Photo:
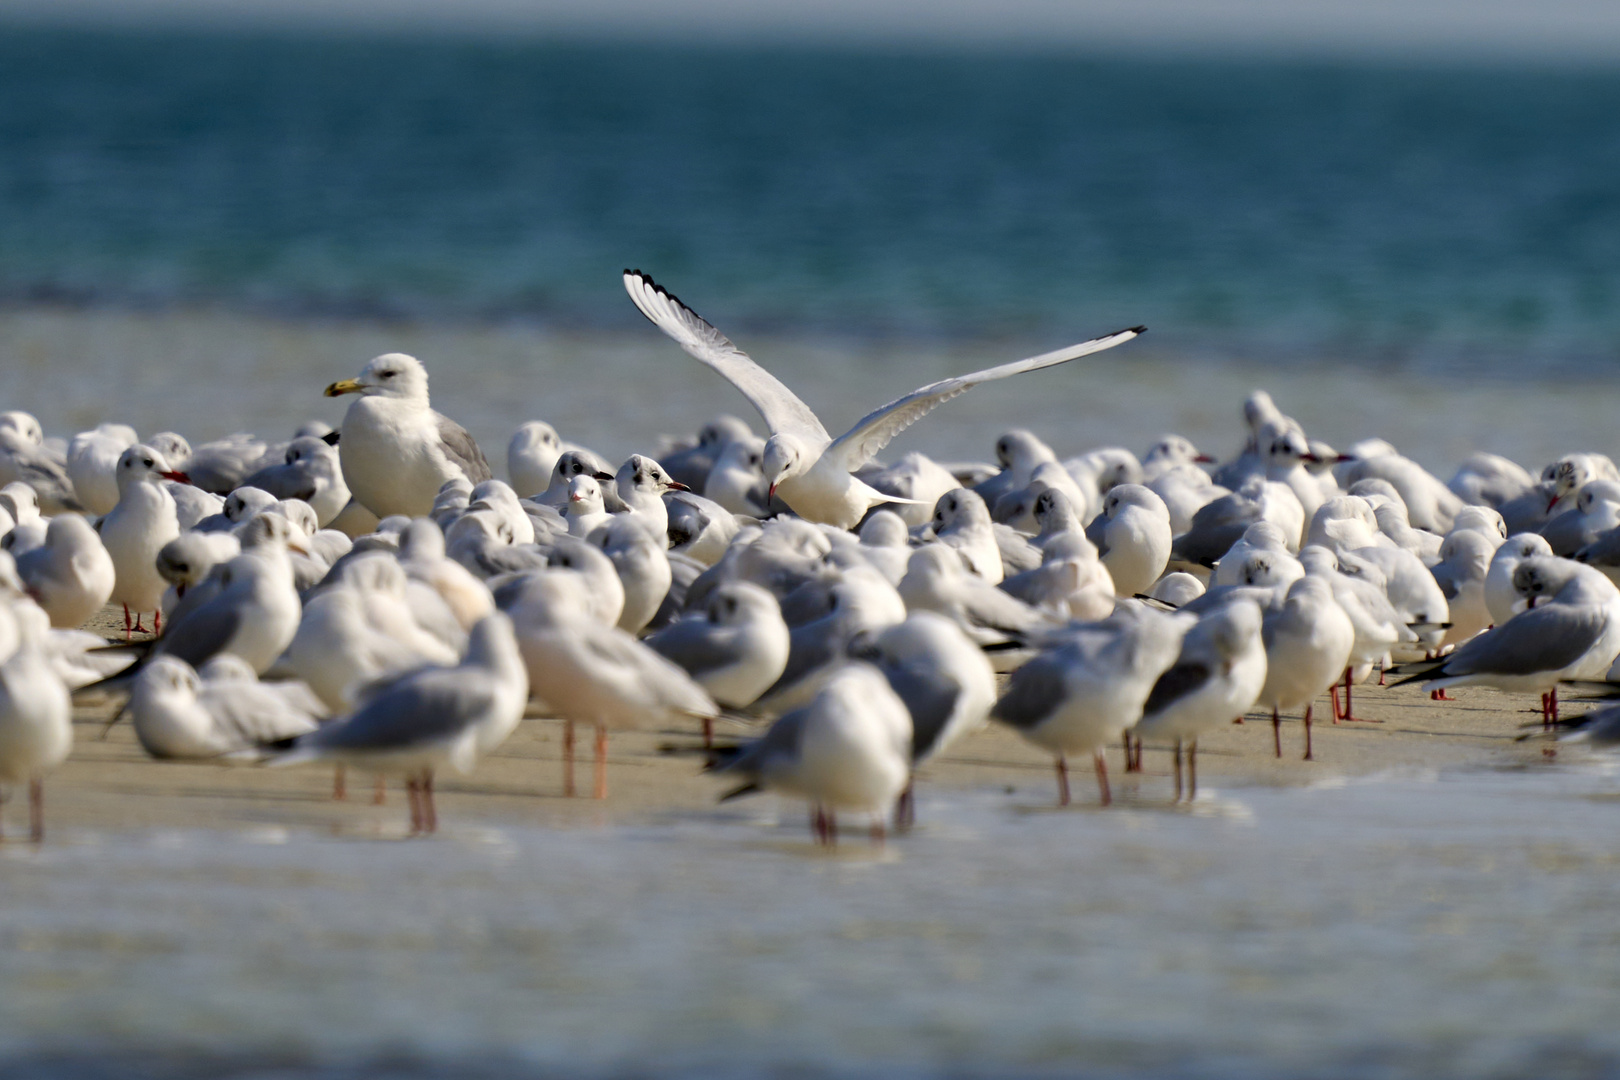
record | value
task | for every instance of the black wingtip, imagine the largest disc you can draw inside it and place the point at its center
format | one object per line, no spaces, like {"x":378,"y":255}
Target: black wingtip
{"x":1422,"y":676}
{"x":1138,"y":329}
{"x":331,"y":438}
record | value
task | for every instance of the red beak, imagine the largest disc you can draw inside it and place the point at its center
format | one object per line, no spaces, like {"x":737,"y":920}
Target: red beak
{"x":177,"y":477}
{"x":1204,"y":459}
{"x":1553,"y":503}
{"x":771,"y":494}
{"x":1309,"y":457}
{"x":676,"y":485}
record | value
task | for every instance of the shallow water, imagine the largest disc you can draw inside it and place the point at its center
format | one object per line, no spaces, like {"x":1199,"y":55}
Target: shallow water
{"x":1444,"y":924}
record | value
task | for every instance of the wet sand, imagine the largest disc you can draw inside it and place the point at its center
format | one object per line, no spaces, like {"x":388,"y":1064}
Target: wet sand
{"x":652,"y":775}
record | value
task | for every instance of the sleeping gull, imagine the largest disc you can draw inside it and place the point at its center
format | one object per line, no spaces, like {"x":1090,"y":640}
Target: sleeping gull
{"x":810,"y":468}
{"x":70,"y":575}
{"x":396,"y":451}
{"x":179,"y":715}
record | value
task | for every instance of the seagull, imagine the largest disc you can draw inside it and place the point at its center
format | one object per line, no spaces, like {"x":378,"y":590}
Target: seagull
{"x":531,"y":455}
{"x":1308,"y":641}
{"x":1217,"y":676}
{"x":1132,"y":535}
{"x":432,"y":717}
{"x":945,"y":680}
{"x":848,"y":749}
{"x":587,"y":672}
{"x":396,"y":451}
{"x":311,"y":471}
{"x":585,"y":509}
{"x":1573,"y":635}
{"x":92,"y":464}
{"x":136,"y":528}
{"x":70,"y":575}
{"x":1088,"y":690}
{"x":179,"y":715}
{"x":735,"y":647}
{"x":36,"y":715}
{"x":643,"y":567}
{"x":810,"y":468}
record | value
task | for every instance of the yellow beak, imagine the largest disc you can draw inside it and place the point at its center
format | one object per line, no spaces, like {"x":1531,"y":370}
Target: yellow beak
{"x":343,"y":386}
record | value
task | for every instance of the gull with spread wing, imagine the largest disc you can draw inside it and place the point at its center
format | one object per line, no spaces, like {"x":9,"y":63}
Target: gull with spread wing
{"x":810,"y":468}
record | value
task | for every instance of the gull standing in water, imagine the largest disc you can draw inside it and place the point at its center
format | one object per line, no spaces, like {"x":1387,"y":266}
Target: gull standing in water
{"x":396,"y":451}
{"x":810,"y":468}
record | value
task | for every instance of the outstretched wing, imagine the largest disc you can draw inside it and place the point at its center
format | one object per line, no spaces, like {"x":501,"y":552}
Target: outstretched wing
{"x":873,"y":433}
{"x":784,"y":413}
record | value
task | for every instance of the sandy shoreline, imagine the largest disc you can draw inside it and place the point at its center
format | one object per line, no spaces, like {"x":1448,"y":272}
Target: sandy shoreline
{"x":112,"y":784}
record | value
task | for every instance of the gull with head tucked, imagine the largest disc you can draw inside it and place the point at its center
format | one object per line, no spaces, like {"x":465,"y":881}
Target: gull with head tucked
{"x":810,"y":468}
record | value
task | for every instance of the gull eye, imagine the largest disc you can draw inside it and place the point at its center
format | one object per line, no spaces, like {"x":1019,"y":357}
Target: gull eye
{"x":147,"y":462}
{"x":389,"y":374}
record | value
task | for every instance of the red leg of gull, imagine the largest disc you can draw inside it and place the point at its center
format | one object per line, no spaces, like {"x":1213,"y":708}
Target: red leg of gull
{"x":1349,"y":712}
{"x":708,"y":732}
{"x":1177,"y":753}
{"x":1333,"y":693}
{"x":1380,"y":673}
{"x":1440,"y":695}
{"x":601,"y":762}
{"x":157,"y":621}
{"x":1546,"y":713}
{"x":1276,"y":731}
{"x":430,"y":814}
{"x":1102,"y":777}
{"x":1552,"y":701}
{"x":568,"y":758}
{"x":413,"y":797}
{"x":905,"y":807}
{"x":36,"y":810}
{"x":1130,"y":762}
{"x":1192,"y":771}
{"x":340,"y":786}
{"x":1063,"y":781}
{"x":126,"y":622}
{"x":1308,"y":756}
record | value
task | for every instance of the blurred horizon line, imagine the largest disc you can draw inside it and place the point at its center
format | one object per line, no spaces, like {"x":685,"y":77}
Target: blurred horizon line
{"x":1423,"y":34}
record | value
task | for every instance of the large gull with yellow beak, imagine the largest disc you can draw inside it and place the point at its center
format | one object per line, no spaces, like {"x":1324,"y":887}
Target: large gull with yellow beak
{"x":395,"y":450}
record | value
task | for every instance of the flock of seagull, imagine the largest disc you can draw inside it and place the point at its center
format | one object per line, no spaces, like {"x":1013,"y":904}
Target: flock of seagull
{"x":372,"y":598}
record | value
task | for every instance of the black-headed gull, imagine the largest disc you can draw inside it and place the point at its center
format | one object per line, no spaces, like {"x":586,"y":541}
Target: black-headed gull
{"x":812,"y":470}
